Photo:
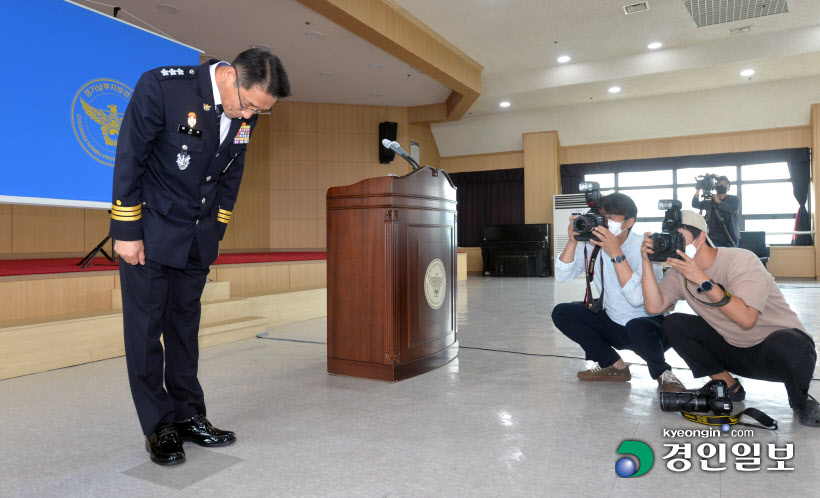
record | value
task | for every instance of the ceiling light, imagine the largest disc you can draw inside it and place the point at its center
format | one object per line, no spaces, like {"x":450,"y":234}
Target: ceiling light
{"x":168,"y":9}
{"x":614,"y":89}
{"x":654,"y":45}
{"x":326,"y":74}
{"x":564,"y":58}
{"x":746,"y":73}
{"x":315,"y":35}
{"x":740,"y":31}
{"x":636,"y":7}
{"x":504,"y":104}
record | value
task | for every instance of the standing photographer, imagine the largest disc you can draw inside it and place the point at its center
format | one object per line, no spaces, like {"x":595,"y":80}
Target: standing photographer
{"x":623,"y":323}
{"x":743,"y":325}
{"x":721,"y":211}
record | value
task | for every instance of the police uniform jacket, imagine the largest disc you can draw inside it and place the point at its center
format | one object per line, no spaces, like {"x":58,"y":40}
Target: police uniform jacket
{"x":173,"y":179}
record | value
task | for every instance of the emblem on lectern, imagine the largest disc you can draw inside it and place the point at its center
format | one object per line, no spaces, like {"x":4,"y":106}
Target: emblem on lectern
{"x":435,"y":280}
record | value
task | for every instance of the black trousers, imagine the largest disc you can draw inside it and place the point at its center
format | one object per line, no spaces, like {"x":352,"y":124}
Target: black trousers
{"x":161,"y":301}
{"x":786,"y":356}
{"x":597,"y":334}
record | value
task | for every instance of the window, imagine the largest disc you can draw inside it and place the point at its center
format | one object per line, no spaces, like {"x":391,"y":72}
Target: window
{"x":647,"y":200}
{"x":771,"y":171}
{"x":641,"y":227}
{"x":765,"y":190}
{"x":769,"y":198}
{"x":686,"y":176}
{"x":605,"y":180}
{"x":771,"y":227}
{"x":645,"y":178}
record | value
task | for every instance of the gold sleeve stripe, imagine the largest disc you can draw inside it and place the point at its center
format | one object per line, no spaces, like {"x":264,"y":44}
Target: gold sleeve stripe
{"x":114,"y":207}
{"x":126,"y":218}
{"x":222,"y":221}
{"x":223,"y":217}
{"x":222,"y":211}
{"x":126,"y":213}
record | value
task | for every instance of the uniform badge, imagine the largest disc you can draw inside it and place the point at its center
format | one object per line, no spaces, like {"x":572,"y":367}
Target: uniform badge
{"x":206,"y":107}
{"x":183,"y":160}
{"x":244,"y":134}
{"x":191,"y":119}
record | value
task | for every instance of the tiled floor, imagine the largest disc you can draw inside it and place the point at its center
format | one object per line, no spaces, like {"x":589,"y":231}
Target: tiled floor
{"x":506,"y":418}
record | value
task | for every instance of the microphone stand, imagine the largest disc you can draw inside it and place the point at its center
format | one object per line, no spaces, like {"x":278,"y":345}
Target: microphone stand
{"x":394,"y":146}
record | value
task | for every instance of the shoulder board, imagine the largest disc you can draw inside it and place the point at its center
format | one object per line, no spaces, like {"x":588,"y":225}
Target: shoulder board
{"x":176,"y":72}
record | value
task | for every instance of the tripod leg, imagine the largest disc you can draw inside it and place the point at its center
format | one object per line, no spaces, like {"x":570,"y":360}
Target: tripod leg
{"x":88,"y":257}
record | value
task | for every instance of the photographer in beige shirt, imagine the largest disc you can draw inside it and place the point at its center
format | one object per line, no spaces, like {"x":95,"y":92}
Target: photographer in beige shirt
{"x":743,"y":324}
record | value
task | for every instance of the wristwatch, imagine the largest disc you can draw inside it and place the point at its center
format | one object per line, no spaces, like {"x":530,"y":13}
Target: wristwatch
{"x":619,"y":259}
{"x":706,"y":286}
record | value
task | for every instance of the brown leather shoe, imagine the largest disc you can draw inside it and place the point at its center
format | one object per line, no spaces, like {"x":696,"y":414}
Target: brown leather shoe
{"x":608,"y":374}
{"x":669,"y":383}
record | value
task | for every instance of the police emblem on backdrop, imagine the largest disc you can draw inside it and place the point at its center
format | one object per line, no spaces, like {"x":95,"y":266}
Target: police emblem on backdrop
{"x":435,"y":280}
{"x":243,"y":136}
{"x":96,"y":116}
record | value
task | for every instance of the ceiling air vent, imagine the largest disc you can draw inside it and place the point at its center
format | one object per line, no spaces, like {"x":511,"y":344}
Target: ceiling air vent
{"x":636,"y":7}
{"x":709,"y":12}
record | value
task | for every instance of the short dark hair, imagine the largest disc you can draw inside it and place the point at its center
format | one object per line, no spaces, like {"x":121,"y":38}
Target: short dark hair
{"x":693,"y":230}
{"x":619,"y":204}
{"x":260,"y":67}
{"x":724,"y":178}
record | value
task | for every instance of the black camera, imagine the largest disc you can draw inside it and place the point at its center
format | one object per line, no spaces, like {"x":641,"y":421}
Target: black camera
{"x":585,"y":223}
{"x":707,"y":182}
{"x":714,"y":396}
{"x":667,"y":243}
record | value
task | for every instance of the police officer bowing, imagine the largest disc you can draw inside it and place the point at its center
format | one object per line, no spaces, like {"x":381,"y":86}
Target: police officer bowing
{"x":179,"y":163}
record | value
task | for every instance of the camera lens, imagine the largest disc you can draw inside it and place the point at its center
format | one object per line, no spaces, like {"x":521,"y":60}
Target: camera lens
{"x":581,"y":224}
{"x":661,"y":244}
{"x":688,"y":401}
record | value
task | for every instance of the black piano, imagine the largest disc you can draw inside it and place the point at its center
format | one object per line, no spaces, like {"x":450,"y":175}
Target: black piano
{"x":516,"y":250}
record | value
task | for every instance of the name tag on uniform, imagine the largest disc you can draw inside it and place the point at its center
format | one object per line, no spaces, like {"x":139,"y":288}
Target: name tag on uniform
{"x":187,"y":130}
{"x":244,"y":134}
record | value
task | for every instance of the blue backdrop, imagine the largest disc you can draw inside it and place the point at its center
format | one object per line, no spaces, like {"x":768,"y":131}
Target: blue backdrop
{"x":69,"y":72}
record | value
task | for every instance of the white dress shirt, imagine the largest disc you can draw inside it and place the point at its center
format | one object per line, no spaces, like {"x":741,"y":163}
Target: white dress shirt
{"x":621,"y":303}
{"x":224,"y":121}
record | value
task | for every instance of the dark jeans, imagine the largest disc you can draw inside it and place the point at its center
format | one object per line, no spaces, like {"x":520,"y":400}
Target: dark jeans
{"x":599,"y":336}
{"x":786,"y":356}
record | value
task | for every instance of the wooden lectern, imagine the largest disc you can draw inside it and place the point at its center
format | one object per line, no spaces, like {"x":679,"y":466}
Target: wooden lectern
{"x":391,"y":276}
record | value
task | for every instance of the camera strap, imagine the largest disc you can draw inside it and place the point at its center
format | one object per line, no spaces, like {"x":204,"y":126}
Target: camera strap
{"x":764,"y":421}
{"x":593,"y":305}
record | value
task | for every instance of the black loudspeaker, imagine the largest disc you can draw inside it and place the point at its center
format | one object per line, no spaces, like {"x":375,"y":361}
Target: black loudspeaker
{"x":387,"y":130}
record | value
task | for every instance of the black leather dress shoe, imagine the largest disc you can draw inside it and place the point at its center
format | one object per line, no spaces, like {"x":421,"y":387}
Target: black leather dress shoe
{"x":198,"y":430}
{"x":165,"y":445}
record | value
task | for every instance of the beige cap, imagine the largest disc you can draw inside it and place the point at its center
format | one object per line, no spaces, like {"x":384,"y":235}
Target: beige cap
{"x":694,"y":219}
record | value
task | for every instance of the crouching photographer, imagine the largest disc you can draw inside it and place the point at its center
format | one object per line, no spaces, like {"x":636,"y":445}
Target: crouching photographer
{"x":743,"y":323}
{"x":610,"y":256}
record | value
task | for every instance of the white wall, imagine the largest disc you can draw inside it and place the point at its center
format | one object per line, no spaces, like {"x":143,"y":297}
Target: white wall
{"x":745,"y":107}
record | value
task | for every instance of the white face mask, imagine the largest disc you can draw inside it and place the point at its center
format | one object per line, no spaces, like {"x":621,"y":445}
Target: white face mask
{"x":690,"y":250}
{"x":614,"y":227}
